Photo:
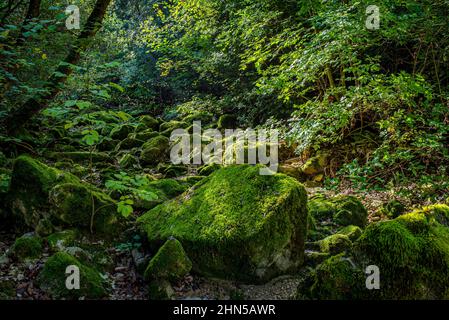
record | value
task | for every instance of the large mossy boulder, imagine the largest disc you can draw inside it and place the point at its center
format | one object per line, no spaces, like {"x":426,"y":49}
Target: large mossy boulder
{"x":155,"y":150}
{"x":236,"y":224}
{"x":342,"y":210}
{"x":30,"y":186}
{"x":170,"y":262}
{"x":84,"y":207}
{"x":52,"y":279}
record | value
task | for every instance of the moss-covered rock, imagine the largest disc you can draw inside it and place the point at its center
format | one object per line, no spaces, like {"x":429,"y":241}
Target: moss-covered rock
{"x":227,"y":121}
{"x":335,"y":244}
{"x":412,"y":253}
{"x":173,"y":125}
{"x":129,"y":143}
{"x":353,"y":232}
{"x":208,"y":169}
{"x":338,"y":278}
{"x":154,"y":151}
{"x":107,"y":144}
{"x":27,"y":247}
{"x":60,"y":240}
{"x":160,"y":289}
{"x":82,"y":206}
{"x":170,"y":262}
{"x":31,"y":183}
{"x":121,"y":132}
{"x":172,"y":171}
{"x":393,"y":209}
{"x":128,"y":161}
{"x":164,"y":189}
{"x":146,"y":135}
{"x":315,"y":165}
{"x":204,"y":117}
{"x":52,"y":279}
{"x":342,"y":210}
{"x":236,"y":224}
{"x":149,"y":122}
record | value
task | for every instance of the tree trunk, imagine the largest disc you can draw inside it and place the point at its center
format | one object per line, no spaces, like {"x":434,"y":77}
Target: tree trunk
{"x":22,"y":115}
{"x":33,"y":11}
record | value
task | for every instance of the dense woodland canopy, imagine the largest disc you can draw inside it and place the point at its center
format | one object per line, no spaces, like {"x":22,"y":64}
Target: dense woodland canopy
{"x":358,"y":110}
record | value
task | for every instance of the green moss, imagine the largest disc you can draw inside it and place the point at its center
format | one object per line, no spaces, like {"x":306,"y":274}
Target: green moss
{"x":52,"y":279}
{"x":128,"y":161}
{"x":227,"y":121}
{"x":146,"y":135}
{"x":314,"y":165}
{"x":173,"y":125}
{"x":160,"y":290}
{"x":165,"y":189}
{"x":82,"y":206}
{"x":204,"y":117}
{"x":170,"y":262}
{"x":44,"y":227}
{"x":129,"y":143}
{"x":413,"y":253}
{"x":27,"y":247}
{"x":31,"y":182}
{"x":335,"y":244}
{"x":337,"y":279}
{"x":343,"y":210}
{"x":353,"y":232}
{"x":393,"y":209}
{"x":154,"y":151}
{"x":172,"y":171}
{"x":62,"y":239}
{"x":208,"y":169}
{"x":107,"y":144}
{"x":149,"y":122}
{"x":121,"y":132}
{"x":192,"y":180}
{"x":236,"y":223}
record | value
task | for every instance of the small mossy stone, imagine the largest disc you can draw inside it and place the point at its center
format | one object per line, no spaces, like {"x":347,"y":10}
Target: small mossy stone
{"x":27,"y":248}
{"x":149,"y":122}
{"x":315,"y":165}
{"x":337,"y":278}
{"x":59,"y":240}
{"x":173,"y":125}
{"x":7,"y":289}
{"x":52,"y":279}
{"x":147,"y":135}
{"x":393,"y":209}
{"x":155,"y":151}
{"x":227,"y":121}
{"x":236,"y":224}
{"x":204,"y":117}
{"x":349,"y":211}
{"x":121,"y":132}
{"x":208,"y":169}
{"x":160,"y":289}
{"x":170,"y":262}
{"x":84,"y":207}
{"x":353,"y":232}
{"x":128,"y":161}
{"x":335,"y":244}
{"x":129,"y":143}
